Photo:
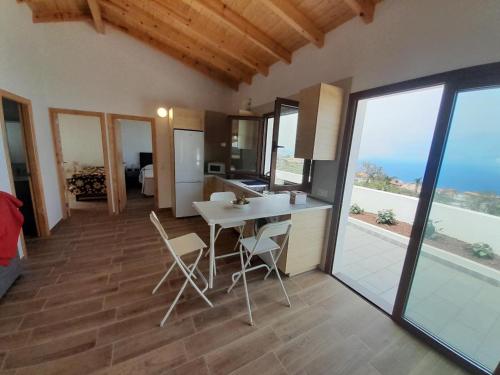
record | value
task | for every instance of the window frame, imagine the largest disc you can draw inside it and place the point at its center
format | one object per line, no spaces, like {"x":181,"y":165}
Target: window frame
{"x":307,"y":170}
{"x":260,"y":124}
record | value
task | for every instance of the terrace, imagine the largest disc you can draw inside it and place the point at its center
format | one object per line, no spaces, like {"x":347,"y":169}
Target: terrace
{"x":373,"y":256}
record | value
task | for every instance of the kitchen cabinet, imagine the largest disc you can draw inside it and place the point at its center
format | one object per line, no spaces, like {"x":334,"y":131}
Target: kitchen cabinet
{"x":212,"y":184}
{"x":185,"y":118}
{"x":320,"y":109}
{"x":307,"y":242}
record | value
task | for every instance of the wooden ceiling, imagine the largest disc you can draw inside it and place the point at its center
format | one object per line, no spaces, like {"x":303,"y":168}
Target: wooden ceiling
{"x":228,"y":40}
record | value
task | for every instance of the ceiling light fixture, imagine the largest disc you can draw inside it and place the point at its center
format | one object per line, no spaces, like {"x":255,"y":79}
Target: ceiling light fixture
{"x":162,"y":112}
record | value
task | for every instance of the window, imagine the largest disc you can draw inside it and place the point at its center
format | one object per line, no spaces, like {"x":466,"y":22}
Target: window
{"x":287,"y":172}
{"x":268,"y":143}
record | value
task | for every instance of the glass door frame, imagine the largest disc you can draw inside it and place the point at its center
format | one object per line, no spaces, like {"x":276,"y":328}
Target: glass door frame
{"x":454,"y":82}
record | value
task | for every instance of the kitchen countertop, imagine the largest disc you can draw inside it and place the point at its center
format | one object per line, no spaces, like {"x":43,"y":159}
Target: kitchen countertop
{"x":311,"y":203}
{"x":217,"y":212}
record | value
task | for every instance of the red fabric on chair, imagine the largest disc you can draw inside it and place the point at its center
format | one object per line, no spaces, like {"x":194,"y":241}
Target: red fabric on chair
{"x":11,"y":222}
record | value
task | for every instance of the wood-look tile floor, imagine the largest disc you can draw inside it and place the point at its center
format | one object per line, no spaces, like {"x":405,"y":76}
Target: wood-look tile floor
{"x":84,"y":305}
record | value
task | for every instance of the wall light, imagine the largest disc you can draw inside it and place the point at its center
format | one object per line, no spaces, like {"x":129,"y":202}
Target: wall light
{"x":162,"y":112}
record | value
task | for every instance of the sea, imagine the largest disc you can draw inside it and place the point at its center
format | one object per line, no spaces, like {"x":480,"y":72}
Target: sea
{"x":460,"y":177}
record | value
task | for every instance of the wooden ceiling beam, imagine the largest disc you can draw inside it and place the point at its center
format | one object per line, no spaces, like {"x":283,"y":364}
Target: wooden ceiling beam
{"x":164,"y":32}
{"x":216,"y":41}
{"x":237,"y":22}
{"x":297,"y":20}
{"x":363,"y":8}
{"x":95,"y":11}
{"x":39,"y":17}
{"x":116,"y":20}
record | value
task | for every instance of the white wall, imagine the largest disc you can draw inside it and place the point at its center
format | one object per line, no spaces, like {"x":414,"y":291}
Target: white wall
{"x":466,"y":225}
{"x":136,"y":138}
{"x":408,"y":39}
{"x":69,"y":65}
{"x":81,"y":140}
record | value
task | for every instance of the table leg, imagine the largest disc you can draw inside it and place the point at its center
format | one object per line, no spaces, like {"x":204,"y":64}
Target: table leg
{"x":211,"y":257}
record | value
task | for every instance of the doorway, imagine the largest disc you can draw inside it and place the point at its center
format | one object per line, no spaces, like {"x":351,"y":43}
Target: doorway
{"x":80,"y":141}
{"x":135,"y":169}
{"x":22,"y":159}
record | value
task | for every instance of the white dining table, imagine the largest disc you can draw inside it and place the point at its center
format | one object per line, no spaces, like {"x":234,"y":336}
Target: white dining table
{"x":217,"y":212}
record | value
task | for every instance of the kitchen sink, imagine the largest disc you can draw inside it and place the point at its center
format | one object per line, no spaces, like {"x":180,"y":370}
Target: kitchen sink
{"x":253,"y":183}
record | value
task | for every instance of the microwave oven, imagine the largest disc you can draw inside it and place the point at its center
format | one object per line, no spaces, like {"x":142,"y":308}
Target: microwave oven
{"x":216,"y":168}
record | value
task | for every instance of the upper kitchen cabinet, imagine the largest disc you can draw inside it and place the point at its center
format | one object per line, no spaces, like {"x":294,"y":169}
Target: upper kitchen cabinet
{"x":320,"y":109}
{"x":184,"y":118}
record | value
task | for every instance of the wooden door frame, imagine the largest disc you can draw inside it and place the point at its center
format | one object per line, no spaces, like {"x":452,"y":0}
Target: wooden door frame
{"x":37,"y":191}
{"x":117,"y":188}
{"x":56,"y":137}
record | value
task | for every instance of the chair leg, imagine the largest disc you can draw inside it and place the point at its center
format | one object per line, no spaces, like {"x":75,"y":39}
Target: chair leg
{"x":268,"y":273}
{"x":243,"y":266}
{"x":188,"y":267}
{"x":279,"y":279}
{"x":173,"y":303}
{"x":188,"y":280}
{"x":235,"y":281}
{"x":163,"y":278}
{"x":204,"y":280}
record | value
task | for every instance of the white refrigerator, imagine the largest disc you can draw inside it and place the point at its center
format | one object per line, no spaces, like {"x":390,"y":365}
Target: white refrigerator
{"x":188,"y":154}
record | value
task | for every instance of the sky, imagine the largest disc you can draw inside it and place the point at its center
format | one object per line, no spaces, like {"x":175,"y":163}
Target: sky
{"x":400,"y":126}
{"x":398,"y":130}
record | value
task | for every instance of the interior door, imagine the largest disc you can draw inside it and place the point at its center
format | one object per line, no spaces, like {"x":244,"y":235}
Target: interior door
{"x":287,"y":172}
{"x":120,"y":168}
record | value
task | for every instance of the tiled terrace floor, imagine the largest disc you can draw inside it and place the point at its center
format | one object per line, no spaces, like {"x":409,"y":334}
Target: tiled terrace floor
{"x":456,"y":306}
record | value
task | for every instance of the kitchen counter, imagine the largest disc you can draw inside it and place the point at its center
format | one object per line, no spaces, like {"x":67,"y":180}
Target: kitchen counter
{"x":259,"y":207}
{"x":311,"y":203}
{"x":236,"y":183}
{"x":310,"y":221}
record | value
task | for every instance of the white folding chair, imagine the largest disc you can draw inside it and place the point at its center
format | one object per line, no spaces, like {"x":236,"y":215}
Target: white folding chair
{"x":260,"y":244}
{"x":179,"y":247}
{"x":227,"y":196}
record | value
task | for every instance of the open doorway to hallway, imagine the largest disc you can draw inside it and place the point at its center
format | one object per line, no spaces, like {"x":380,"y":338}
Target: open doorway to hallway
{"x":135,"y":170}
{"x":19,"y":154}
{"x":81,"y":149}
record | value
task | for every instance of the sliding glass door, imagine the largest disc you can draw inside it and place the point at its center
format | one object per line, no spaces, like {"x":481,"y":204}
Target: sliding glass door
{"x":390,"y":146}
{"x":455,"y":291}
{"x":417,"y":223}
